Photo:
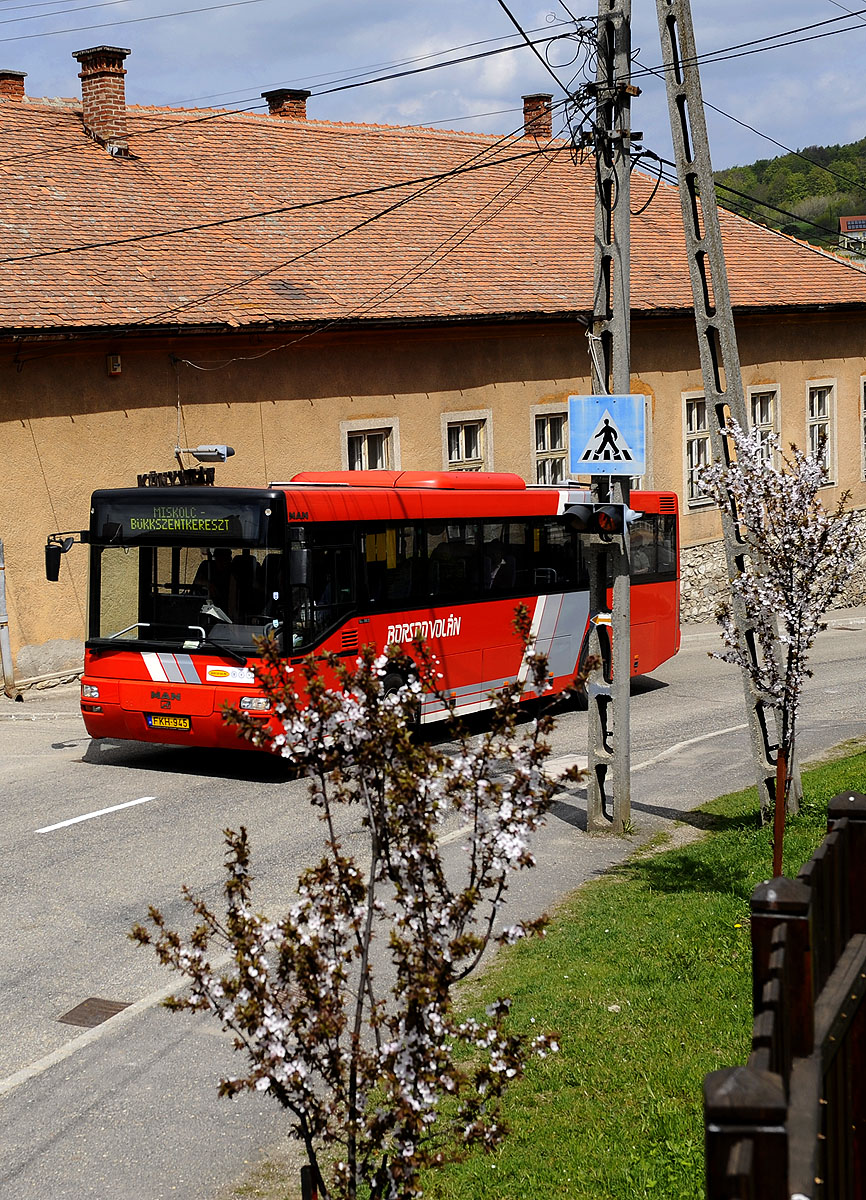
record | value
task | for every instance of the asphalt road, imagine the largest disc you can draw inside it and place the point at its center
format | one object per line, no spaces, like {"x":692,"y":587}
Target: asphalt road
{"x":128,"y":1110}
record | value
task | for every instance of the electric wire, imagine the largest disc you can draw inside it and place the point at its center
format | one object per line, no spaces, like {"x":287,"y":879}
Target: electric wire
{"x":426,"y":185}
{"x":849,"y":11}
{"x":59,"y":13}
{"x":346,"y":87}
{"x":532,"y":46}
{"x":239,"y":108}
{"x":752,"y":201}
{"x":406,"y":278}
{"x":853,"y":183}
{"x":358,"y":72}
{"x":469,"y":164}
{"x":421,"y":180}
{"x":756,"y":45}
{"x":24,"y":37}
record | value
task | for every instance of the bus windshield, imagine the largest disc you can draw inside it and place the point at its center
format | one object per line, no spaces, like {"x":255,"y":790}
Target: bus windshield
{"x":186,"y":576}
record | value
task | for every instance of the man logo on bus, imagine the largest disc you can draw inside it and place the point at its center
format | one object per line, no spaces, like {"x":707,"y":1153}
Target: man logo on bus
{"x":299,"y":516}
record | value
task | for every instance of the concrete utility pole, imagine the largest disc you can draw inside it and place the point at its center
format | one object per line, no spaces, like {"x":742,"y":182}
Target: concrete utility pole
{"x":717,"y":340}
{"x":608,"y":693}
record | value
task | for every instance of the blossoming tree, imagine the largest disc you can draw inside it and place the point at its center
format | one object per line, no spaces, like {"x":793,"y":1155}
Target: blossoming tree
{"x":344,"y":1004}
{"x":800,"y":556}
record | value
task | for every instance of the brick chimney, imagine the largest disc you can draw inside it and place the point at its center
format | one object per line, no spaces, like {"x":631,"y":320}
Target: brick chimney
{"x":12,"y":84}
{"x":288,"y":103}
{"x":103,"y":95}
{"x":537,"y":116}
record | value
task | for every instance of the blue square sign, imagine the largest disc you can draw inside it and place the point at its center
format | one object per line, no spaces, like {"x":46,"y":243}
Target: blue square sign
{"x":607,"y":435}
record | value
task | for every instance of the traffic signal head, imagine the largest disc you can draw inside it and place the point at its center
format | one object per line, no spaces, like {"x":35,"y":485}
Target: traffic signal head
{"x":604,"y":519}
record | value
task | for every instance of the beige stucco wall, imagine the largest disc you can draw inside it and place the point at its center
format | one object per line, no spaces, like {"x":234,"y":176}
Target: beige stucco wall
{"x":66,"y":427}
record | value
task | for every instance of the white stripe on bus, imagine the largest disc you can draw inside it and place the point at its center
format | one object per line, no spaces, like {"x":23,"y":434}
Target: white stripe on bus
{"x":533,"y":634}
{"x":154,"y":667}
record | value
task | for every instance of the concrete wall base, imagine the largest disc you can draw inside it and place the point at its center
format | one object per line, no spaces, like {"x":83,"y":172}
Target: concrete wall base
{"x":704,"y":582}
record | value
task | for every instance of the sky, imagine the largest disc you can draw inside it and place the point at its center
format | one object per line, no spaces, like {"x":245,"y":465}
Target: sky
{"x":219,"y":53}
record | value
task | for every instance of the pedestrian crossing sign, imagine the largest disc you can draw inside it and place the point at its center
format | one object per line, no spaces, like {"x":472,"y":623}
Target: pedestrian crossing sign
{"x":607,"y":435}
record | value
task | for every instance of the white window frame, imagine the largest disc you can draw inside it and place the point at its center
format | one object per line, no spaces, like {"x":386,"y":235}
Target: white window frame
{"x":815,"y":385}
{"x":543,"y":411}
{"x":765,"y":427}
{"x":390,"y":426}
{"x":477,"y":416}
{"x":690,"y":437}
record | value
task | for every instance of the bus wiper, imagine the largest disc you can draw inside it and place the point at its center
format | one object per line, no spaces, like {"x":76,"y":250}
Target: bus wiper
{"x":227,"y":650}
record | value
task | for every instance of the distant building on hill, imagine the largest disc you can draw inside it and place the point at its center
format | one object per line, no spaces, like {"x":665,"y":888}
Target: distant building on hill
{"x":852,"y":234}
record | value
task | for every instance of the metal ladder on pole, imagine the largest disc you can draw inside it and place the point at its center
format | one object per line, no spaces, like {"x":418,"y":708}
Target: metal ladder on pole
{"x":720,"y":360}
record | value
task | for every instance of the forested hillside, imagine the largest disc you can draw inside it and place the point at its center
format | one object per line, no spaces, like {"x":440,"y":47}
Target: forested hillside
{"x":816,"y":187}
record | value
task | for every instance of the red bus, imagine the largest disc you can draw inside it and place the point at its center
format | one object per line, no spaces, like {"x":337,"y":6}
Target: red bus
{"x":183,"y":579}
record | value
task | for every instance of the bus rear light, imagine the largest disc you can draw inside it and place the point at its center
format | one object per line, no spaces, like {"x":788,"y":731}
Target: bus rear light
{"x":89,"y":691}
{"x":255,"y":703}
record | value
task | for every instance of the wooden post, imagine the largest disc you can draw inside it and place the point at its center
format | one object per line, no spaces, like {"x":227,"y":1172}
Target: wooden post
{"x":745,"y":1106}
{"x":786,"y":901}
{"x":853,"y":806}
{"x":309,"y":1191}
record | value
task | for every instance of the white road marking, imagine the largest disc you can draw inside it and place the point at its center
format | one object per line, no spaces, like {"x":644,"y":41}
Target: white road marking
{"x":675,"y":749}
{"x":100,"y":812}
{"x":455,"y":835}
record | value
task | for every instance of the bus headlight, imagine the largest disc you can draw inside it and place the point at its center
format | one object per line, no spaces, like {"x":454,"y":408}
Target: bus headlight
{"x":89,"y":691}
{"x":255,"y":703}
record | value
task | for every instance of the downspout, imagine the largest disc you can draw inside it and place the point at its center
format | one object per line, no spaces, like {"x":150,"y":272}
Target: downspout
{"x":5,"y":647}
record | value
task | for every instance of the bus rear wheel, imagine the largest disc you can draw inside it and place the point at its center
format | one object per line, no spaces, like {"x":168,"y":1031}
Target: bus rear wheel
{"x":391,"y":684}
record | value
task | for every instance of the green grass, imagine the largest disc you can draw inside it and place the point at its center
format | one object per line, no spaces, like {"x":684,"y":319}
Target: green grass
{"x":646,"y":977}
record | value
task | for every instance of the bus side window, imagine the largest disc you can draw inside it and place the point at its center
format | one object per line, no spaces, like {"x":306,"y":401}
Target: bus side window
{"x":667,"y":547}
{"x":391,"y":564}
{"x":499,"y":562}
{"x":328,"y":595}
{"x":642,"y":546}
{"x":556,"y":558}
{"x":453,"y":560}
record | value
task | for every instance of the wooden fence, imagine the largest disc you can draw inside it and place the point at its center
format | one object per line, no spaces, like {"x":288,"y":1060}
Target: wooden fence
{"x":791,"y":1124}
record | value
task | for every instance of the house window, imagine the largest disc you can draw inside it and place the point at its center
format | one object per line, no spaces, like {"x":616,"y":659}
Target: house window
{"x":698,"y":452}
{"x":369,"y":451}
{"x":370,"y":445}
{"x":465,"y":445}
{"x":819,"y":426}
{"x":763,"y":412}
{"x":551,"y":442}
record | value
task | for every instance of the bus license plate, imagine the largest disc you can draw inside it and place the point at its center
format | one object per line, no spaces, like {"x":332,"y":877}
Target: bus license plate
{"x":167,"y":721}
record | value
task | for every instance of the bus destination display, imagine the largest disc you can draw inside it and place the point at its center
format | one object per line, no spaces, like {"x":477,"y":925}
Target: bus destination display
{"x":194,"y":522}
{"x":172,"y":518}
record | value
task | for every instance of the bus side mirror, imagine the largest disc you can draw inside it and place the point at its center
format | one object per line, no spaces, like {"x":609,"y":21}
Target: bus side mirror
{"x":299,"y":566}
{"x":57,"y":545}
{"x":53,"y":553}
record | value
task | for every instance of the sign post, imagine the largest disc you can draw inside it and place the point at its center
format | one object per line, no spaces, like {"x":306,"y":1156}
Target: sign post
{"x":609,"y":346}
{"x":607,"y":440}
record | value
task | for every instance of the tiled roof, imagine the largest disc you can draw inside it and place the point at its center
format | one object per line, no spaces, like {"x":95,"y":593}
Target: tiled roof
{"x":510,"y":235}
